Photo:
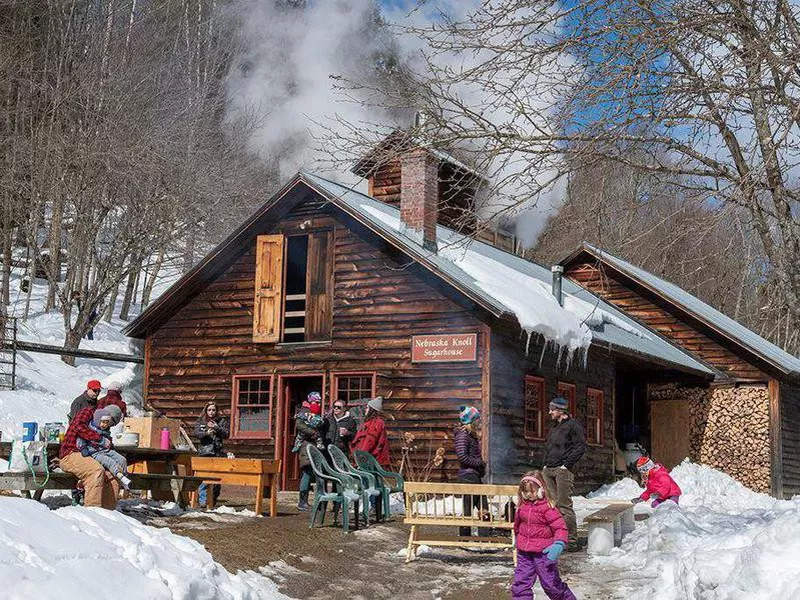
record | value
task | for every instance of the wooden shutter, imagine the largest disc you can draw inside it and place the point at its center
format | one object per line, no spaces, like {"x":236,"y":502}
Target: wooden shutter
{"x":319,"y":286}
{"x":269,"y":288}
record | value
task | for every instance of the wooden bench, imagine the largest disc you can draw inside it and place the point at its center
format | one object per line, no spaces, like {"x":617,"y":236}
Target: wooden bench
{"x":59,"y":480}
{"x":436,"y":504}
{"x":608,"y":526}
{"x":252,"y":472}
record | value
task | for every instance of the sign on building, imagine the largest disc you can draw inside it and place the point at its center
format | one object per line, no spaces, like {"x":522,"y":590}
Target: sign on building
{"x":457,"y":347}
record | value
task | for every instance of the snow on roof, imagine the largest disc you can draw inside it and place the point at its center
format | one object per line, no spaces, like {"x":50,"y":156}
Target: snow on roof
{"x":517,"y":286}
{"x":694,"y":306}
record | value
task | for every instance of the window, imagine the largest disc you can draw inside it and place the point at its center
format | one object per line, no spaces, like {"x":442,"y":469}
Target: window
{"x":567,"y":391}
{"x":251,"y":407}
{"x":594,"y":416}
{"x":351,"y":387}
{"x":293,"y":288}
{"x":535,"y":408}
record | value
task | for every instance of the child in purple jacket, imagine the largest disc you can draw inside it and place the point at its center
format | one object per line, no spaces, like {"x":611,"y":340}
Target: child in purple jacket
{"x":541,"y":535}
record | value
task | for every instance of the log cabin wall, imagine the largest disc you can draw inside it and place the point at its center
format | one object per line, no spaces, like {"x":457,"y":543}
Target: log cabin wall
{"x":728,"y":429}
{"x":511,"y":453}
{"x":663,"y":318}
{"x":379,"y":302}
{"x":790,"y":440}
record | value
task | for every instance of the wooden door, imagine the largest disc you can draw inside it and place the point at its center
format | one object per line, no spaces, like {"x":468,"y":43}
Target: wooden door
{"x":294,"y":389}
{"x":669,"y":431}
{"x":291,"y":469}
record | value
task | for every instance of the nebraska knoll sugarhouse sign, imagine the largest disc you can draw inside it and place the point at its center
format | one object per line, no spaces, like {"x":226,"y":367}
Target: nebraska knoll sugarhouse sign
{"x":452,"y":347}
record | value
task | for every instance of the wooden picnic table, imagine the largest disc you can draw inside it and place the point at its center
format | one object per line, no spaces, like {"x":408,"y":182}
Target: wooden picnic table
{"x":171,"y":481}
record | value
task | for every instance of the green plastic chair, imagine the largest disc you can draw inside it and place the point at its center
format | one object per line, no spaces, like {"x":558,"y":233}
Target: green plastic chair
{"x":366,"y":462}
{"x":332,"y":486}
{"x":369,"y":487}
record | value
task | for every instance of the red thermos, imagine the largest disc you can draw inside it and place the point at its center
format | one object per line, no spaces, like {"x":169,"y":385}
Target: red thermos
{"x":165,"y":438}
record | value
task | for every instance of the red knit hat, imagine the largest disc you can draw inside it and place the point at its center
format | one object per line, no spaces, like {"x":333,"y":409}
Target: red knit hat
{"x":644,"y":464}
{"x":94,"y":385}
{"x":315,"y":408}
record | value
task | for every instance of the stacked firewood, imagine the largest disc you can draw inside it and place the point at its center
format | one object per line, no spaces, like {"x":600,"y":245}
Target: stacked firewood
{"x":735,"y":434}
{"x":729,"y":429}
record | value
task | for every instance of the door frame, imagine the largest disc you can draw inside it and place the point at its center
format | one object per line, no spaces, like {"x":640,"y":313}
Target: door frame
{"x":282,"y":450}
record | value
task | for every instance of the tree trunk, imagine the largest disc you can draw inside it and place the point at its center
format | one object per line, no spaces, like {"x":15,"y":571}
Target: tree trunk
{"x":148,"y":288}
{"x":5,"y":297}
{"x":71,"y":342}
{"x":54,"y":268}
{"x":129,"y":289}
{"x":111,"y":304}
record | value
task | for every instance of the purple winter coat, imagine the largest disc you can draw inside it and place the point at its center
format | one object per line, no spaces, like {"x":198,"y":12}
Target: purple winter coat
{"x":468,"y":451}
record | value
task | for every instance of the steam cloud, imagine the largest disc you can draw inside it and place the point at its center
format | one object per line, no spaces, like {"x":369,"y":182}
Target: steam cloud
{"x":283,"y":80}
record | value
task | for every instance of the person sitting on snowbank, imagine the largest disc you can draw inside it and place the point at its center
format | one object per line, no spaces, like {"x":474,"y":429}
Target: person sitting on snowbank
{"x":659,"y":484}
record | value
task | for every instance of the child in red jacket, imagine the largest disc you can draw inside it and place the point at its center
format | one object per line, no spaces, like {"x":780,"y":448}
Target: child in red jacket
{"x":659,"y":484}
{"x":541,"y":535}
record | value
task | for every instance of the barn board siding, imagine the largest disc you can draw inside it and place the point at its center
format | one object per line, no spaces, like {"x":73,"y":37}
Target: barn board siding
{"x":512,"y":454}
{"x":790,"y":439}
{"x":379,"y":302}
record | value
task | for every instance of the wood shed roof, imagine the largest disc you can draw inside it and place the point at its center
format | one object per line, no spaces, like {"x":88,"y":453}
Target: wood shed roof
{"x":715,"y":322}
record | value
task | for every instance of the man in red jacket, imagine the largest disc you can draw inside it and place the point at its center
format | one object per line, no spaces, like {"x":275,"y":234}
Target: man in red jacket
{"x":372,"y":435}
{"x":101,"y":487}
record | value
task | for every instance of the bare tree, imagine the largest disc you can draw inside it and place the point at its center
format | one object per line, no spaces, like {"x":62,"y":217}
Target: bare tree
{"x":701,"y":93}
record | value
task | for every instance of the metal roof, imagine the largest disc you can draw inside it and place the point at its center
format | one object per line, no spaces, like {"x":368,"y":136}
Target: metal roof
{"x":695,"y":307}
{"x":646,"y":342}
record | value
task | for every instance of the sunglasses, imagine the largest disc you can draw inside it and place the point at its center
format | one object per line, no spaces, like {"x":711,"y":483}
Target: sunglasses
{"x":338,"y":407}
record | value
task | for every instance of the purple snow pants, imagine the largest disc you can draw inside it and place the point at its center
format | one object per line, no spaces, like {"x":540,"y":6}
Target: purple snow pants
{"x":533,"y":564}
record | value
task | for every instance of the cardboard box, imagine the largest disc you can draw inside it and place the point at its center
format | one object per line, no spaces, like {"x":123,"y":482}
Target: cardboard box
{"x":149,"y":430}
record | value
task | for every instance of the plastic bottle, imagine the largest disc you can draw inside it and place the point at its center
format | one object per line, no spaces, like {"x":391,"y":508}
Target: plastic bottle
{"x":165,"y":438}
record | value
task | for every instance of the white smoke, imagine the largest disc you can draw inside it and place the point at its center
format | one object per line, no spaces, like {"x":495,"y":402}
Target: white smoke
{"x":284,"y":79}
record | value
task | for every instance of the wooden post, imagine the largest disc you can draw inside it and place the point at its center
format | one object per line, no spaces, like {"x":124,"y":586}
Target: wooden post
{"x":776,"y":441}
{"x":259,"y":493}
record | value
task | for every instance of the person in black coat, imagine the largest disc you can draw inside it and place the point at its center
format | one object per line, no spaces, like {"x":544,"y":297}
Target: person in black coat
{"x":340,"y":427}
{"x":566,"y":444}
{"x":210,"y":429}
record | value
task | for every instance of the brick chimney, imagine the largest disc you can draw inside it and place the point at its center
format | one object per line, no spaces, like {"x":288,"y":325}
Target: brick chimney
{"x":419,"y":196}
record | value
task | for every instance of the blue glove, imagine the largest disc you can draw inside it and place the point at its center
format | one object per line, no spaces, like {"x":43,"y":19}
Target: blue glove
{"x":554,"y":550}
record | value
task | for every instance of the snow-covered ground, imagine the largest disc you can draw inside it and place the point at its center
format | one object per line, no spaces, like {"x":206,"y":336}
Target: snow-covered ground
{"x":724,"y":542}
{"x":93,"y":553}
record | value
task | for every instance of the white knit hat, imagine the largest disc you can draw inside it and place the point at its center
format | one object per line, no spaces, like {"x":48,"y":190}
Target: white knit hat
{"x":376,"y":403}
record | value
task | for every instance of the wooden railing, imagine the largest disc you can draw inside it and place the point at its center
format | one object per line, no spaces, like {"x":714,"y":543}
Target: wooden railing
{"x":491,"y":509}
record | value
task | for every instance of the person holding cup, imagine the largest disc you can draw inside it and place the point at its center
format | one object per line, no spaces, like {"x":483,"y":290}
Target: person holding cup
{"x":340,"y":426}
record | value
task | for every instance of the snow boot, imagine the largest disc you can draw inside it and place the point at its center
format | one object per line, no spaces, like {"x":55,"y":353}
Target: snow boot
{"x":302,"y":505}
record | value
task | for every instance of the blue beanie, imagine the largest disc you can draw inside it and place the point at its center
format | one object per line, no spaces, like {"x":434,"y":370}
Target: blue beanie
{"x":468,"y":414}
{"x":560,"y":403}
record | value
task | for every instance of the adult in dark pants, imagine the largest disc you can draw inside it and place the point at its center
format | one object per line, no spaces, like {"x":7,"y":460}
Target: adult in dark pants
{"x":210,"y":429}
{"x":471,"y":467}
{"x":566,"y":444}
{"x":309,"y":427}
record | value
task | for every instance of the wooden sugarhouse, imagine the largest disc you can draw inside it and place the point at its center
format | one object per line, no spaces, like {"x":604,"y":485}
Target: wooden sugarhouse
{"x":327,"y":289}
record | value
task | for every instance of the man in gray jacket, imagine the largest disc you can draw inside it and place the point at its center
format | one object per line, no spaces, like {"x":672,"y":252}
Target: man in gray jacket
{"x":566,"y":444}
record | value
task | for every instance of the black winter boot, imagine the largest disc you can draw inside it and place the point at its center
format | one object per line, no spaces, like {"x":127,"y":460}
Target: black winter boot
{"x":302,"y":505}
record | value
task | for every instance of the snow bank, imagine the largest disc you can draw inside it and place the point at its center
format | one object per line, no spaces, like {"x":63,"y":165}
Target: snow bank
{"x":724,"y":542}
{"x":94,"y":553}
